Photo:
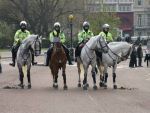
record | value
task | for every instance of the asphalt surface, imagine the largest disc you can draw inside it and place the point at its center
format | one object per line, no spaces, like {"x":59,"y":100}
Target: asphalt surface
{"x":133,"y":97}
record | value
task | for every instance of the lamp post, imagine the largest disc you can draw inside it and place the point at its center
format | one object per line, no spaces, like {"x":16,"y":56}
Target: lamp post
{"x":71,"y":16}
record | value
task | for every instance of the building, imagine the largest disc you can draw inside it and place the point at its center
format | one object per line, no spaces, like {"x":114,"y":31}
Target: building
{"x":142,"y":17}
{"x":123,"y":8}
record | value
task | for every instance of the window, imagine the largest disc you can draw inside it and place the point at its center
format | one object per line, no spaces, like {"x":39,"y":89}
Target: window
{"x":140,"y":20}
{"x":139,"y":2}
{"x":125,"y":8}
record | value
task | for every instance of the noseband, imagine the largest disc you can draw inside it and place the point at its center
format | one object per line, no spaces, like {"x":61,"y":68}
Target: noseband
{"x":102,"y":47}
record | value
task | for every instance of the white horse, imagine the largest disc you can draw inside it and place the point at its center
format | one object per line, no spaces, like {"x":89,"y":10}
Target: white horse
{"x":24,"y":57}
{"x":119,"y":51}
{"x":88,"y":57}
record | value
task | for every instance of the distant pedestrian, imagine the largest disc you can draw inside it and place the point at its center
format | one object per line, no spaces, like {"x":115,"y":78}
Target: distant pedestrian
{"x":147,"y":58}
{"x":133,"y":57}
{"x":140,"y":55}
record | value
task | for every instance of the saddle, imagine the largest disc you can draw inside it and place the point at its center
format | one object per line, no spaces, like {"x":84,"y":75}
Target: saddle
{"x":79,"y":47}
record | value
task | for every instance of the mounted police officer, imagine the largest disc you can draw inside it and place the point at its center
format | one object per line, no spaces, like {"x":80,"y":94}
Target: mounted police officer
{"x":57,"y":33}
{"x":83,"y":37}
{"x":105,"y":33}
{"x":20,"y":35}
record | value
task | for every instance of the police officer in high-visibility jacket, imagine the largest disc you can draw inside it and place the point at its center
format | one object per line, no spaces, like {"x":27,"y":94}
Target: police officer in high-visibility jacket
{"x":106,"y":34}
{"x":83,"y":37}
{"x":57,"y":33}
{"x":20,"y":35}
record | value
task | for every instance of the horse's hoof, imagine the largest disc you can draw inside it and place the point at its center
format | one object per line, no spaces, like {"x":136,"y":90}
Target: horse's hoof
{"x":65,"y":88}
{"x":101,"y":84}
{"x":84,"y":87}
{"x":115,"y":86}
{"x":55,"y":86}
{"x":95,"y":87}
{"x":21,"y":86}
{"x":105,"y":86}
{"x":79,"y":84}
{"x":87,"y":85}
{"x":29,"y":86}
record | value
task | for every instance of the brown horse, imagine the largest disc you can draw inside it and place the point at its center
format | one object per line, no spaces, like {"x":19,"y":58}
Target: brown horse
{"x":58,"y":61}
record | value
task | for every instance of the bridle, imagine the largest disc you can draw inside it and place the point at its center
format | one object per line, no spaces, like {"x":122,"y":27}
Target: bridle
{"x":98,"y":42}
{"x":122,"y":58}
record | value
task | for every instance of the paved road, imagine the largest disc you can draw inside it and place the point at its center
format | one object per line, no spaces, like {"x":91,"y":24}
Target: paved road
{"x":42,"y":98}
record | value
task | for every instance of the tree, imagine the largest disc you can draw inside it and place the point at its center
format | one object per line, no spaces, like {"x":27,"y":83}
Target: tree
{"x":40,"y":14}
{"x":98,"y":19}
{"x":6,"y":32}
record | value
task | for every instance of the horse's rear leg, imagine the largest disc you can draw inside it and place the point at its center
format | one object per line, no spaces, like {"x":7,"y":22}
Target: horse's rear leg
{"x":101,"y":69}
{"x":79,"y":72}
{"x":64,"y":78}
{"x":105,"y":80}
{"x":85,"y":86}
{"x":29,"y":79}
{"x":21,"y":76}
{"x":94,"y":78}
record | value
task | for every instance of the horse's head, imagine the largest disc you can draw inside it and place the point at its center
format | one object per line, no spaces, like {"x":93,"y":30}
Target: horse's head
{"x":36,"y":44}
{"x":57,"y":44}
{"x":102,"y":45}
{"x":126,"y":51}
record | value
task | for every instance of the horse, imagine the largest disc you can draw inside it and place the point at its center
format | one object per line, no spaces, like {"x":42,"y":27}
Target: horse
{"x":118,"y":51}
{"x":24,"y":57}
{"x":58,"y":61}
{"x":88,"y":57}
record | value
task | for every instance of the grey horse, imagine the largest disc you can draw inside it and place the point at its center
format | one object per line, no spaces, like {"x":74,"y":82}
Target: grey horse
{"x":24,"y":57}
{"x":88,"y":57}
{"x":118,"y":51}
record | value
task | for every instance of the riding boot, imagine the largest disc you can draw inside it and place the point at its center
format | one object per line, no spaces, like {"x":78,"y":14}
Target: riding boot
{"x":13,"y":57}
{"x":68,"y":58}
{"x":49,"y":51}
{"x":67,"y":54}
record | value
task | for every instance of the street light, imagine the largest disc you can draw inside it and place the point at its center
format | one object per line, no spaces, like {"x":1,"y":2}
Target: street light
{"x":71,"y":17}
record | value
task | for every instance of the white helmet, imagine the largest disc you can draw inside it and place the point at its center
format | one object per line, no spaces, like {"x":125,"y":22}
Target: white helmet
{"x":85,"y":23}
{"x":57,"y":24}
{"x":106,"y":26}
{"x":23,"y":22}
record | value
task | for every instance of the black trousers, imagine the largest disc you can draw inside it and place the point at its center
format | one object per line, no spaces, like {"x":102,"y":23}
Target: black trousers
{"x":140,"y":61}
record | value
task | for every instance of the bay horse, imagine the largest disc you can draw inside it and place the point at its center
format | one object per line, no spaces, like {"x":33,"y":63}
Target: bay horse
{"x":88,"y":57}
{"x":24,"y":57}
{"x":57,"y":62}
{"x":118,"y":51}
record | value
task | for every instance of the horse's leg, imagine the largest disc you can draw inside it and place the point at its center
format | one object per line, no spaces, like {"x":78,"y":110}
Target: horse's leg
{"x":105,"y":76}
{"x":114,"y":76}
{"x":85,"y":77}
{"x":79,"y":72}
{"x":28,"y":76}
{"x":21,"y":76}
{"x":94,"y":77}
{"x":101,"y":70}
{"x":64,"y":77}
{"x":55,"y":85}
